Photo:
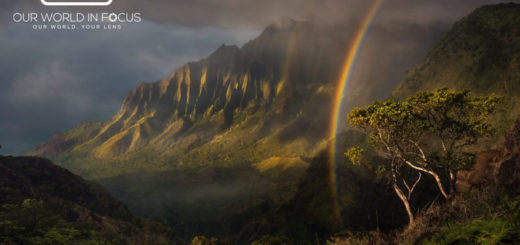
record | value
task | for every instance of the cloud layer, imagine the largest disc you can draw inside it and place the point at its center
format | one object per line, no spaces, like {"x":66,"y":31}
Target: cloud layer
{"x":50,"y":81}
{"x":258,"y":14}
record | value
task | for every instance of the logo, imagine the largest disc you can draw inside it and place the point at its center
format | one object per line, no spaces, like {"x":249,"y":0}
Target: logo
{"x":78,"y":3}
{"x":77,"y":21}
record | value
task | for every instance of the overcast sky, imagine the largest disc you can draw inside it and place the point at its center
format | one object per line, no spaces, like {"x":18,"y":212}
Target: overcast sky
{"x":53,"y":80}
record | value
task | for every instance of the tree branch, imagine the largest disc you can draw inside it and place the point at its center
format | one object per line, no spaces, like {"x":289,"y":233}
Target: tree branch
{"x":430,"y":172}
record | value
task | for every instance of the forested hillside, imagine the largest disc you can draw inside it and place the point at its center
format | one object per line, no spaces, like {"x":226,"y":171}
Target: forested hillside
{"x":41,"y":203}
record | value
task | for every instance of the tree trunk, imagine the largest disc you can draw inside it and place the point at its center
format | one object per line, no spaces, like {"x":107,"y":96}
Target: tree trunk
{"x":406,"y":203}
{"x":402,"y":196}
{"x":439,"y":184}
{"x":432,"y":173}
{"x":453,"y":183}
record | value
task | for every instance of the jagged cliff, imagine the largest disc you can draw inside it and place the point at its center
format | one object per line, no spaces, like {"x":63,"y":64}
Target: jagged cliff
{"x":284,"y":74}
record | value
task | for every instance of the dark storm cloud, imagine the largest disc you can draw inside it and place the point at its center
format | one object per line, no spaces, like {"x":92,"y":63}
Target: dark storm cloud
{"x":254,"y":14}
{"x":258,"y":14}
{"x":50,"y":81}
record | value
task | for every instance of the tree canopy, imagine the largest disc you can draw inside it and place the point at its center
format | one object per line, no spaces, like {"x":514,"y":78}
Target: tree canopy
{"x":429,"y":132}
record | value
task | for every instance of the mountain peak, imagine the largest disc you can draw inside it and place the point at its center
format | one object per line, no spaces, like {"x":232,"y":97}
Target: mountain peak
{"x":225,"y":52}
{"x":232,"y":86}
{"x":284,"y":25}
{"x":287,"y":23}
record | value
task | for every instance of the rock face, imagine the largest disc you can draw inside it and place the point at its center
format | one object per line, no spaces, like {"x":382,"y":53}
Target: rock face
{"x":508,"y":173}
{"x":483,"y":172}
{"x":500,"y":168}
{"x":277,"y":73}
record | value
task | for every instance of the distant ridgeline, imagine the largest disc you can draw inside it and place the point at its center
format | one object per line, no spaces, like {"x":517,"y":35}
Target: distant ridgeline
{"x":273,"y":94}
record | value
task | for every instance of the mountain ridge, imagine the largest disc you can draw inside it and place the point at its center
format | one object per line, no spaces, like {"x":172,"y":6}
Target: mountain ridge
{"x":216,"y":95}
{"x":482,"y":50}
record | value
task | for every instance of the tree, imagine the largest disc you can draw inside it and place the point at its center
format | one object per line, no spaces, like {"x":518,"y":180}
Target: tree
{"x":455,"y":122}
{"x":272,"y":240}
{"x":202,"y":240}
{"x":429,"y":132}
{"x":388,"y":126}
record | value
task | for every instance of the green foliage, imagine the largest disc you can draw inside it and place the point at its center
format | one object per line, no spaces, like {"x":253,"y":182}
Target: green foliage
{"x":202,"y":240}
{"x":381,"y":169}
{"x":33,"y":223}
{"x":512,"y":208}
{"x":358,"y":238}
{"x":356,"y":157}
{"x":455,"y":118}
{"x":429,"y":130}
{"x":429,"y":133}
{"x":480,"y":231}
{"x":30,"y":213}
{"x":272,"y":240}
{"x":355,"y":154}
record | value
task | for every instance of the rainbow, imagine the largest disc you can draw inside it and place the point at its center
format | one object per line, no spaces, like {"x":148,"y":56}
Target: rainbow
{"x":340,"y":92}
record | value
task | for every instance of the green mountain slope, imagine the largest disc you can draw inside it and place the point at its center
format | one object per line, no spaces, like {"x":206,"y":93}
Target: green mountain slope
{"x":226,"y":110}
{"x":41,"y":203}
{"x":480,"y":53}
